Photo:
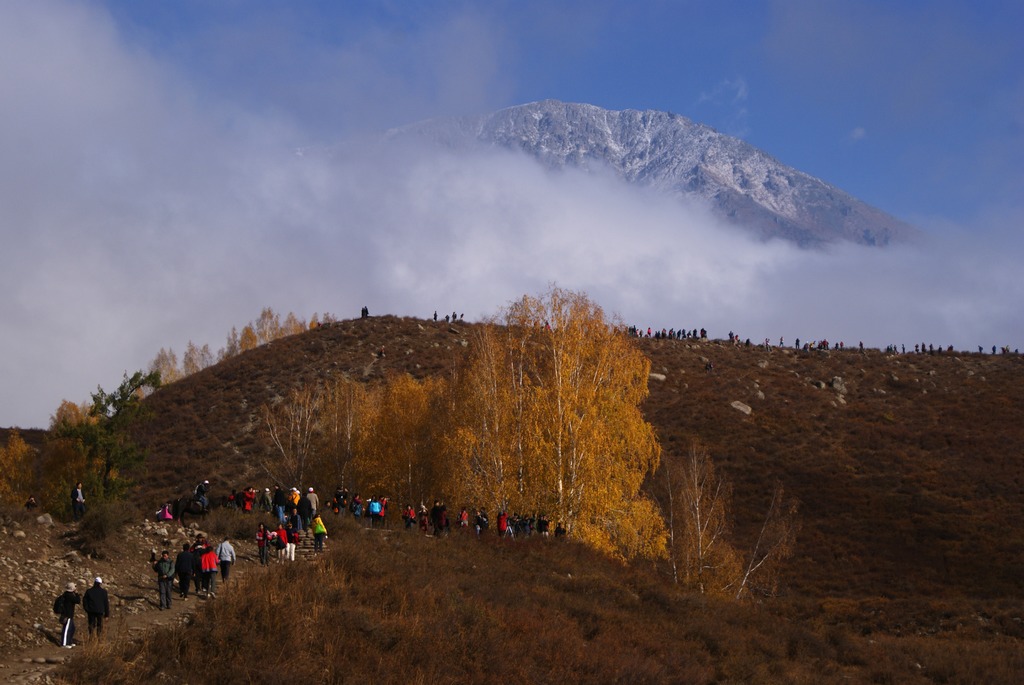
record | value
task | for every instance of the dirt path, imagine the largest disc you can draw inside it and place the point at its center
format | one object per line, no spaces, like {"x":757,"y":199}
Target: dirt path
{"x":45,"y":559}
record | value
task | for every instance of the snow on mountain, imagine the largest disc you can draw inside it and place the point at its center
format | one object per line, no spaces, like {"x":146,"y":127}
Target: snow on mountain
{"x":673,"y":154}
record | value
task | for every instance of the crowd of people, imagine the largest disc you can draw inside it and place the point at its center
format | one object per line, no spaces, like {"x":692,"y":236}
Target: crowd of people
{"x":814,"y":345}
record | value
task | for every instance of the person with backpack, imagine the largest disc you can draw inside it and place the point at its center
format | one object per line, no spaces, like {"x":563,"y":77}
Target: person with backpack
{"x":373,"y":508}
{"x":96,"y":603}
{"x":65,"y":605}
{"x":319,"y":533}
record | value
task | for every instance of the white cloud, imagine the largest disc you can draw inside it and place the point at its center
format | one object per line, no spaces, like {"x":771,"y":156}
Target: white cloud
{"x":136,"y":214}
{"x":858,"y":133}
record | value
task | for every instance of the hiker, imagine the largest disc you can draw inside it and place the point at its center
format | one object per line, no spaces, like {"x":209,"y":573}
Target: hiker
{"x":164,"y":512}
{"x":263,"y":502}
{"x":375,"y":509}
{"x":262,"y":540}
{"x":198,"y":549}
{"x":226,"y":557}
{"x":31,"y":504}
{"x":78,"y":501}
{"x":209,"y":566}
{"x":319,"y":533}
{"x":281,"y":542}
{"x":183,"y":568}
{"x":280,"y":501}
{"x":314,"y":502}
{"x":291,"y":540}
{"x":248,"y":499}
{"x":164,"y":578}
{"x":65,"y":606}
{"x":481,"y":521}
{"x":96,"y":603}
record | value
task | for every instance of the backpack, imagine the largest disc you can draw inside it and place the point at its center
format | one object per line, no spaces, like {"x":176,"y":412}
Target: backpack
{"x":58,"y":605}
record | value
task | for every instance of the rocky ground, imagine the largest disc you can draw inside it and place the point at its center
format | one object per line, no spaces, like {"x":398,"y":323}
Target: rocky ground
{"x":39,"y":557}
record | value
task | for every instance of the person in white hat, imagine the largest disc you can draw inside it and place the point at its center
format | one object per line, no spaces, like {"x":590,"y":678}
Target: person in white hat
{"x":65,"y":606}
{"x":97,"y":606}
{"x":314,"y":501}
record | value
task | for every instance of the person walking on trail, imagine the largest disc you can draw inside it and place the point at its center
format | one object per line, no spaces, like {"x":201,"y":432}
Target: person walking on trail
{"x":77,"y":501}
{"x":183,"y":564}
{"x":226,"y":556}
{"x":314,"y":502}
{"x":209,"y":564}
{"x":292,"y":536}
{"x":96,"y":603}
{"x":65,"y":606}
{"x":164,"y":569}
{"x":305,"y":509}
{"x":319,"y":533}
{"x":280,"y":502}
{"x":263,"y":544}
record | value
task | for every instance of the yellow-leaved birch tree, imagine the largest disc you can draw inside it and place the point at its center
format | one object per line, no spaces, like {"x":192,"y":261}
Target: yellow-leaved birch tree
{"x":561,"y":411}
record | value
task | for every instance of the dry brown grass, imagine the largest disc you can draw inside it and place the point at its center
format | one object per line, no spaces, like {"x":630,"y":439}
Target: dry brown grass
{"x":911,"y":492}
{"x":398,"y":607}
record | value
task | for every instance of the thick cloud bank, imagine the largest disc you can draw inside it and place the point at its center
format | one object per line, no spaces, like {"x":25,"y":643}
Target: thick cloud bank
{"x":135,"y":215}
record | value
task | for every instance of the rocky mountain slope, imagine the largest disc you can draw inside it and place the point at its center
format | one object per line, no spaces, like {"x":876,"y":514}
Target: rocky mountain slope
{"x":673,"y":154}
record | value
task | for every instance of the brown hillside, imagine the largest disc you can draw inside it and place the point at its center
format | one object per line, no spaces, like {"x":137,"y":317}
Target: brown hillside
{"x":908,"y":470}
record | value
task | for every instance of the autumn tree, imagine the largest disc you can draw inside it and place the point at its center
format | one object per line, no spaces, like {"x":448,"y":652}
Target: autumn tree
{"x":166,"y":364}
{"x":553,"y":422}
{"x":232,"y":346}
{"x":291,"y":424}
{"x":341,"y":417}
{"x":396,"y":455}
{"x":196,"y":358}
{"x":17,"y":460}
{"x":489,"y":421}
{"x":267,"y":327}
{"x":700,"y":546}
{"x":248,"y":340}
{"x":774,"y":544}
{"x":291,"y":326}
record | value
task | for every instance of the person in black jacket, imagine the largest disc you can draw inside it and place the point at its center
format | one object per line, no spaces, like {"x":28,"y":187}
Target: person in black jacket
{"x":183,"y":568}
{"x":68,"y":601}
{"x":97,"y":606}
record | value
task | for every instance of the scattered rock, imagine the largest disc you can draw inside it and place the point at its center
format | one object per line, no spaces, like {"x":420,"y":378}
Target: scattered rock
{"x":740,"y":407}
{"x":839,"y":385}
{"x":45,"y":520}
{"x":19,"y":535}
{"x":820,"y":385}
{"x":763,"y":364}
{"x":657,"y":376}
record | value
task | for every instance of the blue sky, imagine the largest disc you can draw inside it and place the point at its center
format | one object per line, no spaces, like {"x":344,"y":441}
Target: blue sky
{"x":152,"y":196}
{"x":915,"y":107}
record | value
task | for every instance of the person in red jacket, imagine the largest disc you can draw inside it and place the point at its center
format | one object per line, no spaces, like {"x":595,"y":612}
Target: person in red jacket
{"x":503,"y":524}
{"x":209,"y":562}
{"x":248,"y":498}
{"x":262,"y":543}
